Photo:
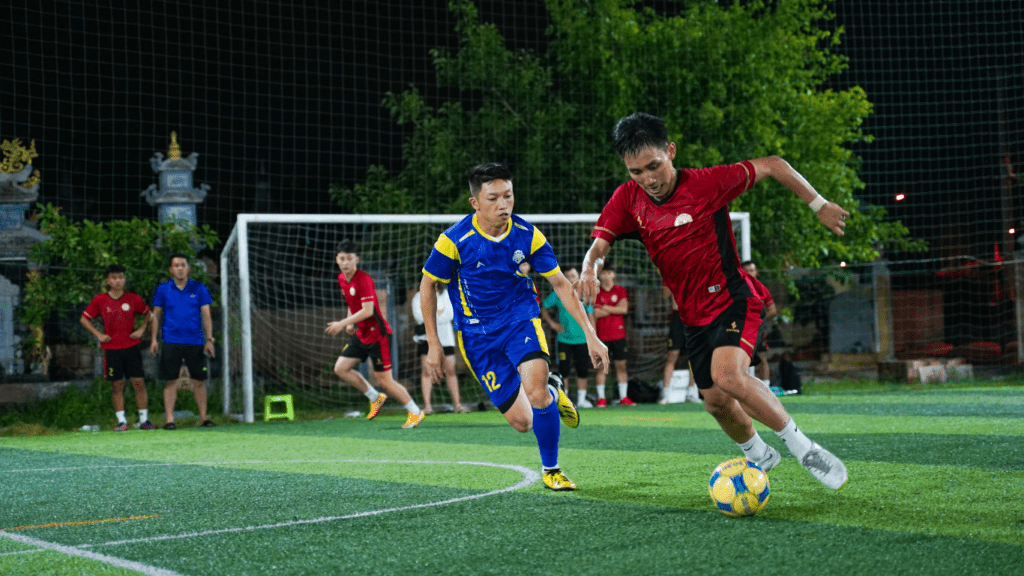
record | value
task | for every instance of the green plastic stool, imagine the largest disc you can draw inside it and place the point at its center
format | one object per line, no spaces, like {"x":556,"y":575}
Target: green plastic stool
{"x":288,"y":413}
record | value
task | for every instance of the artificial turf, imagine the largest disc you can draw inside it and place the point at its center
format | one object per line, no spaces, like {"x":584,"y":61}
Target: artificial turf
{"x":935,"y":488}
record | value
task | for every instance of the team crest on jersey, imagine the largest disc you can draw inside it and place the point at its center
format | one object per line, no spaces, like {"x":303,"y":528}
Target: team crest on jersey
{"x":683,"y":219}
{"x":615,"y":298}
{"x":125,"y":307}
{"x":518,"y":257}
{"x":352,"y":290}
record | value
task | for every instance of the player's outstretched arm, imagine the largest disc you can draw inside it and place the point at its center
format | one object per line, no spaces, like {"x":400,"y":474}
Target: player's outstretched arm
{"x":588,"y":286}
{"x":428,"y":304}
{"x":333,"y":328}
{"x":564,"y":289}
{"x":831,"y":214}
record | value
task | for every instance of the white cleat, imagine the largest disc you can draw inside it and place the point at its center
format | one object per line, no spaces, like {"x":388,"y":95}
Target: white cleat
{"x":584,"y":404}
{"x":824,"y":466}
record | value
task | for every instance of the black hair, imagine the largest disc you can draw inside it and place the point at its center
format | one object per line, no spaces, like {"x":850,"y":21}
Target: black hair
{"x":746,"y":263}
{"x":170,"y":259}
{"x":483,"y":173}
{"x":638,"y":131}
{"x":347,"y":246}
{"x":115,"y":269}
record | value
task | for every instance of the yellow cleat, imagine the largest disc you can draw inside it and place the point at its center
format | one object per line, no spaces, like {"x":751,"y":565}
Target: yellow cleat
{"x":557,"y":480}
{"x":375,"y":406}
{"x":413,"y":420}
{"x":566,"y":409}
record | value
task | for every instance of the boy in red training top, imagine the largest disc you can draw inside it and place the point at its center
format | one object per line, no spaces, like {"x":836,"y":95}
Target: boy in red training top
{"x":610,"y":308}
{"x":122,"y":356}
{"x":370,"y":332}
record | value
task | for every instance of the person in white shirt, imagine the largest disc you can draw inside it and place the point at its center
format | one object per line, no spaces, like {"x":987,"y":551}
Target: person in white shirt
{"x":446,"y":333}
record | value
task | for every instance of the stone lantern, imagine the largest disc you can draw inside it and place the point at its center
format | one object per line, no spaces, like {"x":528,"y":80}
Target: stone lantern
{"x":175,"y":197}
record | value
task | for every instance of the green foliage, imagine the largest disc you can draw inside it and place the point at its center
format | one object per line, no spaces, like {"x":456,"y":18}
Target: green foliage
{"x":77,"y":254}
{"x":732,"y":82}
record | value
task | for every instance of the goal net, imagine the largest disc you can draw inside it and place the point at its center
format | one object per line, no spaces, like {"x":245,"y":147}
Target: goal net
{"x":279,"y":289}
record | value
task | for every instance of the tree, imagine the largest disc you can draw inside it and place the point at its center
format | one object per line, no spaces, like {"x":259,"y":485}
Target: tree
{"x":732,"y":82}
{"x":76,"y":256}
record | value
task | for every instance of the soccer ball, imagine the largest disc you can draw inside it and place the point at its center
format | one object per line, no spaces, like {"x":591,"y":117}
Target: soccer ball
{"x":739,"y":487}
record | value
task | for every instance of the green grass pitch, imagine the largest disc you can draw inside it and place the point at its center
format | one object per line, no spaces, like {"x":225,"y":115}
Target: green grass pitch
{"x":936,"y":487}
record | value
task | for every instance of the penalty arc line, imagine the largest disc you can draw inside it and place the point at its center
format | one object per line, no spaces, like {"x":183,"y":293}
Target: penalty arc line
{"x":529,"y":477}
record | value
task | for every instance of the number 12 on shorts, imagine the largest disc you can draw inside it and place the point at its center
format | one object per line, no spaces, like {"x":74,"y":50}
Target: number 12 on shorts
{"x":491,"y":382}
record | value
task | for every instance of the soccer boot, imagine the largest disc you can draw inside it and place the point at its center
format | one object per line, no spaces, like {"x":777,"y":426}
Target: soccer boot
{"x":626,"y":402}
{"x":770,"y":459}
{"x":147,"y":425}
{"x":413,"y":420}
{"x":121,"y":427}
{"x":602,"y":403}
{"x":375,"y":406}
{"x":566,"y":409}
{"x":584,"y":404}
{"x":824,"y":466}
{"x":557,"y":480}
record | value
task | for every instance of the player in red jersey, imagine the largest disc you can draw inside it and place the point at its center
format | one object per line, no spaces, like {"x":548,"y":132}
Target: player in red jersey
{"x":760,"y":361}
{"x":682,"y":218}
{"x":120,"y":341}
{"x":370,"y":337}
{"x":610,"y":307}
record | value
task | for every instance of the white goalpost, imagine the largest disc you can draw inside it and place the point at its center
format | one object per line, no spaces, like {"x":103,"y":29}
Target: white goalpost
{"x":278,"y":288}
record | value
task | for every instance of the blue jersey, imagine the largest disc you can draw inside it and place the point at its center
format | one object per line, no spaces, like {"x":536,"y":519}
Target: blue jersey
{"x":488,"y":291}
{"x":182,"y":310}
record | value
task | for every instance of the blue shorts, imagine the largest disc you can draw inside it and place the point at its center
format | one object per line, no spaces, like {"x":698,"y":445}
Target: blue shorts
{"x":494,"y":359}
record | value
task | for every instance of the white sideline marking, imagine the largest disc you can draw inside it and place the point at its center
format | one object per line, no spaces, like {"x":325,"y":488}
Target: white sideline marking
{"x":529,"y":477}
{"x":73,"y":551}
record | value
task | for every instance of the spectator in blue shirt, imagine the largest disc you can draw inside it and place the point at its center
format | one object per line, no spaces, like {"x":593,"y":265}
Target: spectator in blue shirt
{"x":183,"y":305}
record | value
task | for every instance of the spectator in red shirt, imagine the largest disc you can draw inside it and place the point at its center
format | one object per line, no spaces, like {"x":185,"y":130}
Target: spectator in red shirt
{"x":682,"y":218}
{"x":369,"y":338}
{"x":760,"y":359}
{"x":120,"y":341}
{"x":610,"y":307}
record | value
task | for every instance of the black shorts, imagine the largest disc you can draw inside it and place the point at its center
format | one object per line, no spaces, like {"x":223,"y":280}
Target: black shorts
{"x":570,"y":355}
{"x":738,"y":325}
{"x":172,"y":355}
{"x":676,"y":334}
{"x":379,"y":352}
{"x":123,"y":363}
{"x":616,"y":350}
{"x":422,"y":348}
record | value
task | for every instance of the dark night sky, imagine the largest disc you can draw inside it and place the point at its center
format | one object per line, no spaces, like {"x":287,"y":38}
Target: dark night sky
{"x":291,"y":95}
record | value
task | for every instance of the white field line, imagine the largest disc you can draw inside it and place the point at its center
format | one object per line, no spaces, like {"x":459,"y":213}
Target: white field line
{"x":529,"y":477}
{"x":74,"y":551}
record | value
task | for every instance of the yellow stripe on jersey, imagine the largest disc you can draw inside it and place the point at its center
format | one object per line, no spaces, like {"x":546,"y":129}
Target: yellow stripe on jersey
{"x":466,"y":235}
{"x":465,"y":305}
{"x":538,"y":240}
{"x":445,"y":246}
{"x":539,"y":328}
{"x":436,"y":279}
{"x":551,"y":273}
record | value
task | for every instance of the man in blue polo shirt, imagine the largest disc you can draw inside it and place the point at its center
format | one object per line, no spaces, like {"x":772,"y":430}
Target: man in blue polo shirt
{"x":184,"y":306}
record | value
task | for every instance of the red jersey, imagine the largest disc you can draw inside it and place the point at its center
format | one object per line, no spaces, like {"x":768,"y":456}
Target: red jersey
{"x":688,"y":236}
{"x":612,"y":327}
{"x":118,"y":317}
{"x":761,"y":291}
{"x":359,"y":290}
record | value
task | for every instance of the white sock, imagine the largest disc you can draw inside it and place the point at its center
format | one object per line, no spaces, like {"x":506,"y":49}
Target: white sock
{"x":797,"y":442}
{"x":581,"y":396}
{"x":413,"y":408}
{"x":120,"y":417}
{"x":549,"y":468}
{"x":755,"y":448}
{"x":144,"y":415}
{"x":372,"y":394}
{"x":623,"y":389}
{"x":600,"y":390}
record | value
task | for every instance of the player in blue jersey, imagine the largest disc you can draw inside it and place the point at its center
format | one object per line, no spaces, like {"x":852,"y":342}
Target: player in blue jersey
{"x":496,"y":313}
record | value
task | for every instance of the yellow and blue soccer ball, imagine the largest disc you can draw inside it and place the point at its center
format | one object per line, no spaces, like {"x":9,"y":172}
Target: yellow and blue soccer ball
{"x":739,"y":487}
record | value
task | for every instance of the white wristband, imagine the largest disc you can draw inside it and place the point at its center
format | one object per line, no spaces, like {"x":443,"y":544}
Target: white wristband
{"x":818,"y":203}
